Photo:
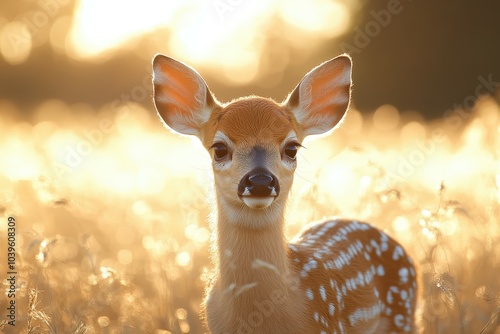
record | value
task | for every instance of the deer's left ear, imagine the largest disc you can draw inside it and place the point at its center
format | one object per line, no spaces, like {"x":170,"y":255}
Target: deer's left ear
{"x":322,"y":97}
{"x":181,"y":96}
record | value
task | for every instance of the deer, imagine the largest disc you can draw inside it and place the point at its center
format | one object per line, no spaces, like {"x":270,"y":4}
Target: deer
{"x":338,"y":275}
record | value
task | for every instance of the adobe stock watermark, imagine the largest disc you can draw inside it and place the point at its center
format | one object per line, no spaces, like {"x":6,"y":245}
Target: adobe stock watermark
{"x":222,"y":7}
{"x":409,"y":163}
{"x":265,"y":308}
{"x":380,"y":19}
{"x":453,"y":118}
{"x":91,"y":138}
{"x":35,"y":21}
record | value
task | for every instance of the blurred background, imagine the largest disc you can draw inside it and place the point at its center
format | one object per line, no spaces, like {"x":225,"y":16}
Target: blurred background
{"x":415,"y":55}
{"x":112,"y":233}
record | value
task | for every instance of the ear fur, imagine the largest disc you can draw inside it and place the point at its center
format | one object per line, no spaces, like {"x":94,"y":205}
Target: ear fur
{"x":322,"y":97}
{"x":181,"y":96}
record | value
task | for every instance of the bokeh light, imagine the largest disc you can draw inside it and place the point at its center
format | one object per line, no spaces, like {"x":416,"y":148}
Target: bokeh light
{"x":15,"y":42}
{"x":95,"y":30}
{"x":386,"y":118}
{"x":228,"y":35}
{"x":115,"y":209}
{"x":135,"y":199}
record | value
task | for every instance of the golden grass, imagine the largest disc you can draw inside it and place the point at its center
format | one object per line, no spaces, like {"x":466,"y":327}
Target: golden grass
{"x":116,"y":239}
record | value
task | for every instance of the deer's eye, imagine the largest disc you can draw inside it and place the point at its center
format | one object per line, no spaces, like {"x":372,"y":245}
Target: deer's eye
{"x":291,"y":150}
{"x":220,"y":151}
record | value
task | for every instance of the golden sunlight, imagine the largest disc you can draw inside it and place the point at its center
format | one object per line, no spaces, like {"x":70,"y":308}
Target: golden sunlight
{"x":133,"y":203}
{"x":221,"y":33}
{"x":15,"y":42}
{"x":99,"y":26}
{"x":96,"y":193}
{"x":498,"y":185}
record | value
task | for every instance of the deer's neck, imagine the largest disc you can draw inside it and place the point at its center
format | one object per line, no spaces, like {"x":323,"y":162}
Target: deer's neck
{"x":252,"y":257}
{"x":254,"y":277}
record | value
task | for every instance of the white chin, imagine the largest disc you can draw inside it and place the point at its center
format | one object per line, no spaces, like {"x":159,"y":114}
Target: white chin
{"x":258,"y":202}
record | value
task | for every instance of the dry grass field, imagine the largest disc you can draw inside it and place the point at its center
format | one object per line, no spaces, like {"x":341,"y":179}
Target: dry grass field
{"x":112,"y":234}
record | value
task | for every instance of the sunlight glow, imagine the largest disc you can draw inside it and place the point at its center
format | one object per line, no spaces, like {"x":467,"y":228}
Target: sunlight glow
{"x":401,"y":224}
{"x":365,"y":181}
{"x":140,"y":208}
{"x":413,"y":132}
{"x":15,"y":42}
{"x":102,"y":25}
{"x":58,"y":33}
{"x":124,"y":256}
{"x":449,"y":227}
{"x":338,"y":178}
{"x":23,"y":165}
{"x":103,"y":321}
{"x":183,"y":259}
{"x":324,"y":16}
{"x":228,"y":34}
{"x":196,"y":233}
{"x":107,"y":272}
{"x":386,"y":118}
{"x":150,"y":180}
{"x":498,"y":186}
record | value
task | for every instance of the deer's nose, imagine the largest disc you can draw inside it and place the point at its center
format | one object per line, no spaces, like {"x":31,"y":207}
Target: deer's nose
{"x":259,"y":182}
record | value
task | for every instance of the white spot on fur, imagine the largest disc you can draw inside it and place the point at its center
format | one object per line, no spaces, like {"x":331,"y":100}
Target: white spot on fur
{"x":244,"y":288}
{"x":365,"y":314}
{"x":399,"y":320}
{"x":311,"y":264}
{"x":389,"y":298}
{"x":322,"y":292}
{"x":403,"y":275}
{"x":231,"y":287}
{"x":310,"y":294}
{"x":380,"y":270}
{"x":331,"y":309}
{"x":398,"y":252}
{"x":260,"y":264}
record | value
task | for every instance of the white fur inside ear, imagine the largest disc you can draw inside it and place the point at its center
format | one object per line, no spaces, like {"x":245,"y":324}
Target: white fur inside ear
{"x":180,"y":124}
{"x":158,"y":77}
{"x":320,"y":125}
{"x":319,"y":89}
{"x":180,"y":96}
{"x":324,"y":96}
{"x":174,"y":93}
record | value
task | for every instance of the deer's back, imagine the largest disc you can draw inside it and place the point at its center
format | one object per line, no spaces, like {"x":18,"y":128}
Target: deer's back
{"x":356,"y":278}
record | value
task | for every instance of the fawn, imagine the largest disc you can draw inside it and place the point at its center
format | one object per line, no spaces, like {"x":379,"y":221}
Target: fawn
{"x":337,"y":276}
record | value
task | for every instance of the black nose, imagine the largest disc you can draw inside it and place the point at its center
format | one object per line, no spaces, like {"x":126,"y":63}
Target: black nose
{"x":259,"y":182}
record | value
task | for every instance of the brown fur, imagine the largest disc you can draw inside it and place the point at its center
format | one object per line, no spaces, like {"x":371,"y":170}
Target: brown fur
{"x":251,"y":118}
{"x":261,"y":284}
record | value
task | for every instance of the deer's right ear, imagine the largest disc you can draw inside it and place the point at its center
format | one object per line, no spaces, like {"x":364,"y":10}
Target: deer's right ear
{"x":321,"y":99}
{"x":181,"y":96}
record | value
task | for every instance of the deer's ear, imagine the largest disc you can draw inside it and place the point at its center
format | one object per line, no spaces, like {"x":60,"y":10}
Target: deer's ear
{"x":322,"y":97}
{"x":181,"y":96}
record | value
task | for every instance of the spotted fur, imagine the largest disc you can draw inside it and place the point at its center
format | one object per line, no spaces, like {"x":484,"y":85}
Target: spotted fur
{"x":337,"y":276}
{"x":356,"y":278}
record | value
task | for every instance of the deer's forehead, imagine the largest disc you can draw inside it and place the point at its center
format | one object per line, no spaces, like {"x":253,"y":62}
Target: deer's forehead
{"x":255,"y":121}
